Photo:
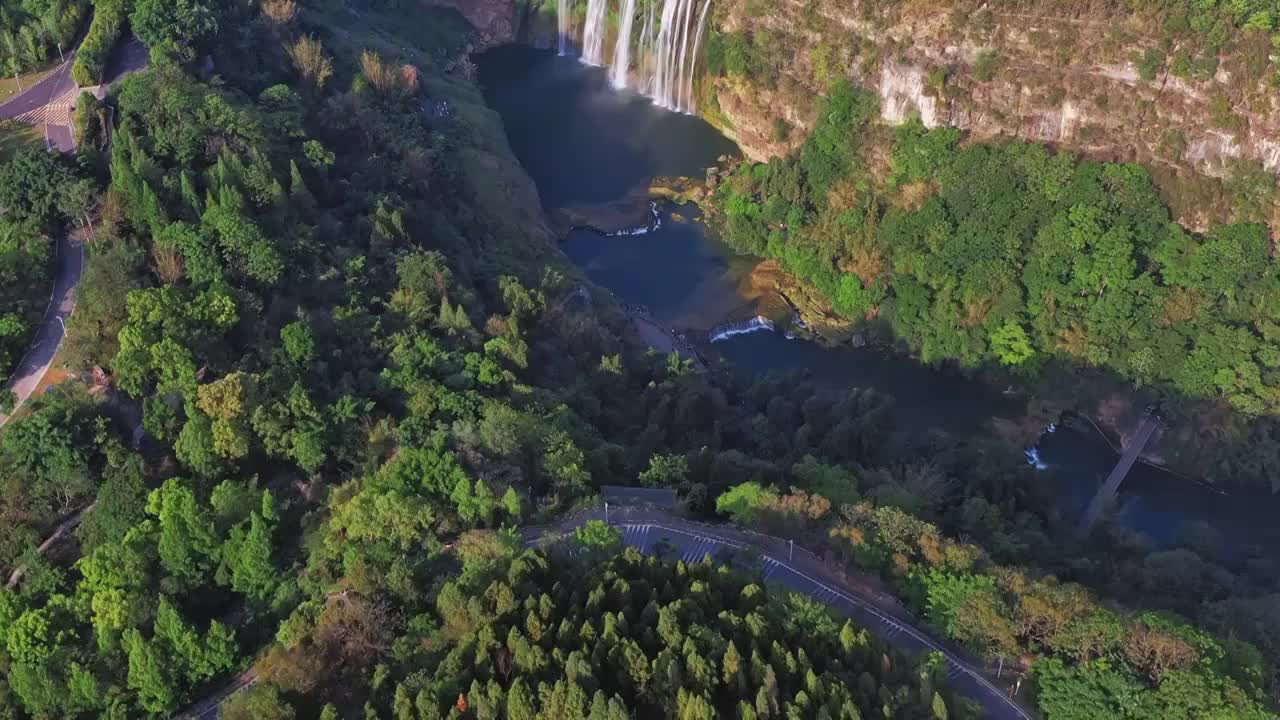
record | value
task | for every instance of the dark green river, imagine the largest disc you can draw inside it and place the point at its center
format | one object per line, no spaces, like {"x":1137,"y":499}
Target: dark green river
{"x":583,"y":142}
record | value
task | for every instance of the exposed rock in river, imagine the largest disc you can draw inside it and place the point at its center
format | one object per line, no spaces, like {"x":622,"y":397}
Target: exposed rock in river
{"x":630,"y":213}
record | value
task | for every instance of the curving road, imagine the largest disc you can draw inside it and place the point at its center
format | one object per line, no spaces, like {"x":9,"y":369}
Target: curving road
{"x":692,"y":542}
{"x":48,"y":103}
{"x":48,"y":338}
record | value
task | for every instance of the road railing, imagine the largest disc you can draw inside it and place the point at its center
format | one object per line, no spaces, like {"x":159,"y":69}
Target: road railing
{"x":817,"y":570}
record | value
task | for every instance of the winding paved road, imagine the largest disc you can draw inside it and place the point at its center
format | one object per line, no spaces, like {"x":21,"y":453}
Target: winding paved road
{"x":691,"y":542}
{"x":48,"y":103}
{"x":48,"y":338}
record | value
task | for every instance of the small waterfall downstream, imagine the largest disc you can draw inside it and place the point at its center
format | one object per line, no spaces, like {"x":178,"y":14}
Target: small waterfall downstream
{"x":755,"y":324}
{"x":665,"y":51}
{"x":622,"y":48}
{"x":593,"y":34}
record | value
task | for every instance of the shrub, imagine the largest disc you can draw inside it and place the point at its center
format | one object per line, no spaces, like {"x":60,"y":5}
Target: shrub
{"x":1150,"y":63}
{"x":985,"y":68}
{"x":104,"y":31}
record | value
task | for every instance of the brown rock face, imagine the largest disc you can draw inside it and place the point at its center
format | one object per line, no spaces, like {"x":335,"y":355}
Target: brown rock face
{"x":1108,"y":88}
{"x":494,"y":20}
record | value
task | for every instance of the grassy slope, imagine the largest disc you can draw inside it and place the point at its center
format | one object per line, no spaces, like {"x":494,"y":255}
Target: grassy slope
{"x":15,"y":136}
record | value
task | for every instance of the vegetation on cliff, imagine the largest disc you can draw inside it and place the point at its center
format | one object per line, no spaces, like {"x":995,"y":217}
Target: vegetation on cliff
{"x":1009,"y":255}
{"x":316,"y":278}
{"x":1088,"y":660}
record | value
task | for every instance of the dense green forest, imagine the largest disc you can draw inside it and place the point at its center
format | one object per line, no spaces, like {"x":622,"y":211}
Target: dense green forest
{"x":589,"y":632}
{"x":1091,"y":660}
{"x":42,"y":195}
{"x":1007,"y":255}
{"x":317,"y":278}
{"x":30,"y":31}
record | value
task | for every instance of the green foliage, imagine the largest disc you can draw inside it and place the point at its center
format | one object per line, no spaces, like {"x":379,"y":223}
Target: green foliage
{"x":30,"y":32}
{"x":104,"y":32}
{"x":24,"y":274}
{"x":685,"y":642}
{"x":1010,"y":255}
{"x":175,"y":30}
{"x":31,"y":185}
{"x":986,"y":66}
{"x":744,"y":502}
{"x":305,"y":291}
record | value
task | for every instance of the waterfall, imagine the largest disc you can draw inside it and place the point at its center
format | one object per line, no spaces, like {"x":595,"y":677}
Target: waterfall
{"x":593,"y":34}
{"x":562,"y":18}
{"x":1033,"y":458}
{"x":666,"y":51}
{"x":755,"y":324}
{"x":691,"y":106}
{"x":622,"y":49}
{"x":684,"y":53}
{"x":646,"y":46}
{"x":681,"y":30}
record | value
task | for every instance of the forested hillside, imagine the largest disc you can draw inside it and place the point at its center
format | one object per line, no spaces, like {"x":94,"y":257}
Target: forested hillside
{"x":320,"y":279}
{"x":1009,"y":255}
{"x":37,"y":190}
{"x":587,"y":632}
{"x":30,"y":31}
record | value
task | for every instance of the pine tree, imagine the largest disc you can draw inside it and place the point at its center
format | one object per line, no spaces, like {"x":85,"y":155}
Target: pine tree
{"x":762,"y":704}
{"x":303,"y":200}
{"x":939,"y":707}
{"x":279,"y":199}
{"x":402,"y":706}
{"x":732,"y":665}
{"x":511,"y":505}
{"x":149,"y":675}
{"x":190,"y":195}
{"x":521,"y":704}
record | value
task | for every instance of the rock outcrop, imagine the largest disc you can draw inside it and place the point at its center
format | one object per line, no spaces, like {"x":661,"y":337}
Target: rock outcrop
{"x":1111,"y":91}
{"x":495,"y":21}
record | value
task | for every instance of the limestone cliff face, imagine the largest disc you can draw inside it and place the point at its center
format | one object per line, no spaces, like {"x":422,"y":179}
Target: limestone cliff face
{"x":495,"y":21}
{"x":1053,"y":79}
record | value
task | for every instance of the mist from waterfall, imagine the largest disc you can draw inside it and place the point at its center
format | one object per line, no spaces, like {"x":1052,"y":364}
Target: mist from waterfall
{"x":594,"y":33}
{"x":622,"y":48}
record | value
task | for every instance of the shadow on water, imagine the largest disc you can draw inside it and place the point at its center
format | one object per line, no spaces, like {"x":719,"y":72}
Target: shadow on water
{"x":584,"y":142}
{"x":581,"y":140}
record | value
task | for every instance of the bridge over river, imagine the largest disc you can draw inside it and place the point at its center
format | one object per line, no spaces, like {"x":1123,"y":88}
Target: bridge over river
{"x":1107,"y":493}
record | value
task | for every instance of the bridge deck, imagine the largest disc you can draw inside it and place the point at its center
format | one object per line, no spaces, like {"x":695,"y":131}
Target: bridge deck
{"x":1112,"y":486}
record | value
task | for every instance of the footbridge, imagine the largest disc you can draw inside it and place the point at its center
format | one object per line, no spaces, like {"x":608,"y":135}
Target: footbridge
{"x":1107,"y":493}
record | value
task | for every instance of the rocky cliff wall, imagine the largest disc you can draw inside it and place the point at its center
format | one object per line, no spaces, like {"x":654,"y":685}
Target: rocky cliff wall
{"x":1109,"y":90}
{"x":496,"y":21}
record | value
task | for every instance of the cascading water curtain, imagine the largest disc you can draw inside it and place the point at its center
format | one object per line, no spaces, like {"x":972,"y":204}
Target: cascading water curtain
{"x":691,"y":104}
{"x":646,"y":49}
{"x":593,"y":34}
{"x":667,"y":46}
{"x":675,"y":50}
{"x":563,"y":17}
{"x":622,"y":48}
